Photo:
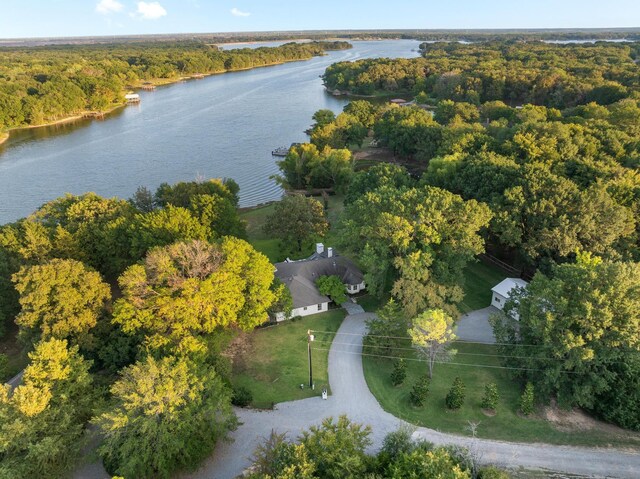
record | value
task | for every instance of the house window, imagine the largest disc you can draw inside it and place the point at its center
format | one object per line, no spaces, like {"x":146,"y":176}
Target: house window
{"x":320,"y":307}
{"x":304,"y":309}
{"x":497,"y":299}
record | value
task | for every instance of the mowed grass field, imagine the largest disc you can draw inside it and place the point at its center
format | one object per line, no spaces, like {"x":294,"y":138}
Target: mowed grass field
{"x":273,"y":362}
{"x":477,"y":365}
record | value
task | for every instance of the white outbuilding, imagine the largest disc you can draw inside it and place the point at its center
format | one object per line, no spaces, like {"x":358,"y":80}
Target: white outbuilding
{"x":503,"y":290}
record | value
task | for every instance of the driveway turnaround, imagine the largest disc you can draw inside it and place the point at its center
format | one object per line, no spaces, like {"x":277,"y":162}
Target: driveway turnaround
{"x":474,"y":326}
{"x":352,"y":397}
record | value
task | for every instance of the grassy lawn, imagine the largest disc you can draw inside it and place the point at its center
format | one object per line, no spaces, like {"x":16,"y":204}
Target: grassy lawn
{"x":479,"y":279}
{"x":274,"y":362}
{"x":507,"y":424}
{"x":270,"y":247}
{"x":256,"y":218}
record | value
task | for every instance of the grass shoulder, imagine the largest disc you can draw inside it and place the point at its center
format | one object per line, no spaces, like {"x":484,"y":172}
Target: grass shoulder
{"x":272,"y":362}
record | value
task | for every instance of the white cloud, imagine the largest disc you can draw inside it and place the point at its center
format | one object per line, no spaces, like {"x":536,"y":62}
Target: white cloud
{"x":105,"y":7}
{"x":239,"y":13}
{"x":150,"y":10}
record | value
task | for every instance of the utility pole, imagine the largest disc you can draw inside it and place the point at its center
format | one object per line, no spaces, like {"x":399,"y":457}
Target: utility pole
{"x":309,"y":340}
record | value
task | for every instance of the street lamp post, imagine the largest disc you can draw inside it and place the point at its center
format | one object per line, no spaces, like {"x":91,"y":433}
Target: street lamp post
{"x":309,"y":340}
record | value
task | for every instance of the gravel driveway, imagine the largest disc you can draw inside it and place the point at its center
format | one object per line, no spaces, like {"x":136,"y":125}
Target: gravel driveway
{"x":474,"y":326}
{"x":351,"y":396}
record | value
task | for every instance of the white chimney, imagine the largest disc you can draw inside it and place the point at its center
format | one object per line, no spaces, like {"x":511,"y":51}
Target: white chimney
{"x":329,"y":252}
{"x":319,"y":248}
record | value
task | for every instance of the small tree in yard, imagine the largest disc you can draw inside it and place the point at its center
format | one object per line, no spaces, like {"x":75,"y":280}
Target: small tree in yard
{"x":491,"y":396}
{"x":399,"y":372}
{"x":432,"y":331}
{"x":333,"y":287}
{"x":527,"y":400}
{"x":297,"y":219}
{"x":420,"y":391}
{"x":455,"y":396}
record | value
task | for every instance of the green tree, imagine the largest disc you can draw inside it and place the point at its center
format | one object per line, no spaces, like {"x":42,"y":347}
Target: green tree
{"x":143,"y":200}
{"x":337,"y":448}
{"x":421,"y":238}
{"x":399,"y":372}
{"x":323,"y":117}
{"x":419,"y":463}
{"x":420,"y":391}
{"x":371,"y":179}
{"x":333,"y":287}
{"x":163,"y":227}
{"x":387,"y":330}
{"x":183,"y":292}
{"x":296,"y":220}
{"x":307,"y":166}
{"x":283,"y":302}
{"x":61,"y":299}
{"x":527,"y":400}
{"x":276,"y":458}
{"x":167,"y":415}
{"x":42,"y":420}
{"x":491,"y":397}
{"x":431,"y":333}
{"x":456,"y":395}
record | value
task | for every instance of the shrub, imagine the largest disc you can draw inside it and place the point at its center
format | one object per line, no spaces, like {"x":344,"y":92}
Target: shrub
{"x":455,"y":396}
{"x":420,"y":391}
{"x":491,"y":396}
{"x":527,"y":399}
{"x":399,"y":372}
{"x":492,"y":472}
{"x":241,"y":397}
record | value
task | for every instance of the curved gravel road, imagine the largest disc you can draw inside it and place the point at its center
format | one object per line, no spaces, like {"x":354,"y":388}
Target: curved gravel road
{"x":352,"y":397}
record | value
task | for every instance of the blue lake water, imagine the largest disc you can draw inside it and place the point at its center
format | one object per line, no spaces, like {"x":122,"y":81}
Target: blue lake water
{"x":221,"y":126}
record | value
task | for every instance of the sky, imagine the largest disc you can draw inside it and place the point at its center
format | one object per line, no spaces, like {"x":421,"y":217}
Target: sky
{"x":52,"y":18}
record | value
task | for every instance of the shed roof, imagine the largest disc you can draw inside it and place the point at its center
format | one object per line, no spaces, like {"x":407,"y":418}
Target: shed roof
{"x":504,"y":287}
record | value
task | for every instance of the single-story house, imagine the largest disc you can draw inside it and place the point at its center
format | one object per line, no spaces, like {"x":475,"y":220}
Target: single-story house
{"x":502,"y":292}
{"x":300,"y":277}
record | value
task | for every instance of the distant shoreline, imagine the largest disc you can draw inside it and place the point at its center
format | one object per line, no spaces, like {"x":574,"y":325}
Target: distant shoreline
{"x":86,"y":115}
{"x":89,"y":115}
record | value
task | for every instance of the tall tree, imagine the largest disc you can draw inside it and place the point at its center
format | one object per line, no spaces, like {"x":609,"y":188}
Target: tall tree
{"x":61,"y":299}
{"x":168,"y":414}
{"x":42,"y":420}
{"x":337,"y":448}
{"x":421,"y":238}
{"x":181,"y":293}
{"x":431,"y":334}
{"x":296,"y":220}
{"x":584,"y":323}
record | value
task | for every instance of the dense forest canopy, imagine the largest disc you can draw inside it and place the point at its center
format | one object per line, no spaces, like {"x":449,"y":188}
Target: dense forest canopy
{"x":548,"y":138}
{"x":43,"y":84}
{"x":514,"y":72}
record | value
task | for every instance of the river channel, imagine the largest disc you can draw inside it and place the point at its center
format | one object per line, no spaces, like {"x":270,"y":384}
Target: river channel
{"x":221,"y":126}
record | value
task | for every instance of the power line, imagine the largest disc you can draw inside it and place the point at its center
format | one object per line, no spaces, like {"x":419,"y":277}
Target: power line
{"x":460,"y":341}
{"x":458,"y":353}
{"x":405,"y":338}
{"x":490,"y":366}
